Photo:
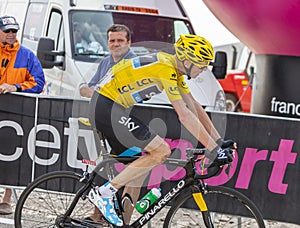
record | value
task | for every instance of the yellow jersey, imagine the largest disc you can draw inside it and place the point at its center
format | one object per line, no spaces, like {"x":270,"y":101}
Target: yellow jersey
{"x":138,"y":79}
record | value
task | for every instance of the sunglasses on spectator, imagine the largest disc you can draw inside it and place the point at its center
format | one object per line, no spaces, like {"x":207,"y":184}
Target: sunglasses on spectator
{"x":10,"y":30}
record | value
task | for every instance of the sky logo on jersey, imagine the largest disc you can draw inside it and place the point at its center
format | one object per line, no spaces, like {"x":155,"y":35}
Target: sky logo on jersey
{"x":127,"y":122}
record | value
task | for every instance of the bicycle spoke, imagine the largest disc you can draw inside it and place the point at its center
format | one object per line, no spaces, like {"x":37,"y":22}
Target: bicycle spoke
{"x":42,"y":205}
{"x":227,"y":209}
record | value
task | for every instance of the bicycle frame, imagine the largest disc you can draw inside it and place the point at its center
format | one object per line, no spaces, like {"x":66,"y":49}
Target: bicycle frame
{"x":191,"y":180}
{"x":191,"y":193}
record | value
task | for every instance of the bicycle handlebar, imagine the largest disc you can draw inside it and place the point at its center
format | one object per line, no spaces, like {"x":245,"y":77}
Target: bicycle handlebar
{"x":212,"y":168}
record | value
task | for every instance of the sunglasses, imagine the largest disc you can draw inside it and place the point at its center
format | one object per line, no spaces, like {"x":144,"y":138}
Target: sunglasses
{"x":10,"y":30}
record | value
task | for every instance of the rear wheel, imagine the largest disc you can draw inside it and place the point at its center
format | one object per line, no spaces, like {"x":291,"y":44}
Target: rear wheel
{"x":227,"y":208}
{"x":44,"y":202}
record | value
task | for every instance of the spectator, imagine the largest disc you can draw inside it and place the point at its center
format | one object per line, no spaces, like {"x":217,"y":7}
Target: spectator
{"x":20,"y":71}
{"x":119,"y":40}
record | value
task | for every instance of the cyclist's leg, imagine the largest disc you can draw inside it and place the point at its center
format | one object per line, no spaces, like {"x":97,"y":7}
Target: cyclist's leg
{"x":133,"y":189}
{"x":125,"y":131}
{"x":158,"y":151}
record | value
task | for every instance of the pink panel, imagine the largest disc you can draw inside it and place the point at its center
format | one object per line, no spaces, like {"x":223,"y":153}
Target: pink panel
{"x":266,"y":26}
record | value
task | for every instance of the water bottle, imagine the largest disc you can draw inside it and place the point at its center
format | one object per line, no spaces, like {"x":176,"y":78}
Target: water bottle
{"x":150,"y":198}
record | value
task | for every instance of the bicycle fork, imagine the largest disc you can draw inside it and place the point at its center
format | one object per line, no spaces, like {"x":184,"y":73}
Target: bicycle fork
{"x":199,"y":200}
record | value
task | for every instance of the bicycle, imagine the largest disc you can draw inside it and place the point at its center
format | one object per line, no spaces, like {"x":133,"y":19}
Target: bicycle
{"x":208,"y":206}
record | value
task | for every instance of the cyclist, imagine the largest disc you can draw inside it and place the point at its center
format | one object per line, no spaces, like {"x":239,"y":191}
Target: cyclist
{"x":134,"y":80}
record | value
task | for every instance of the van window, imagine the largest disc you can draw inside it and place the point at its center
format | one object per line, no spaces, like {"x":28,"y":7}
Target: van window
{"x":56,"y":32}
{"x":180,"y":27}
{"x":54,"y":26}
{"x":33,"y":27}
{"x":91,"y":26}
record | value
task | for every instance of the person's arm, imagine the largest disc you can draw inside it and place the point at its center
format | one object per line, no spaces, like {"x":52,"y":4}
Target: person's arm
{"x":192,"y":123}
{"x":199,"y":111}
{"x":86,"y":91}
{"x":34,"y":80}
{"x":7,"y":88}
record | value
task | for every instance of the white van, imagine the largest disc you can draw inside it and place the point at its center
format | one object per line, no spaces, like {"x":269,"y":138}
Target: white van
{"x":49,"y":26}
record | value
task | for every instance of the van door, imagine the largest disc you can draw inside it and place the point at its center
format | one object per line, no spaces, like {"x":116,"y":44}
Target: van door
{"x":55,"y":31}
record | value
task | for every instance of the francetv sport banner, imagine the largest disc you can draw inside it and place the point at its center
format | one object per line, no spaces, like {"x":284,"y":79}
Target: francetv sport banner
{"x":41,"y":134}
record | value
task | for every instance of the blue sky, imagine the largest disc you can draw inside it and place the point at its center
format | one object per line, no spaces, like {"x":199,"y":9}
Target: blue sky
{"x":206,"y":24}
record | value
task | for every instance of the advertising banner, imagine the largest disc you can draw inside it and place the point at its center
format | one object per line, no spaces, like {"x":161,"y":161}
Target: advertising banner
{"x":41,"y":134}
{"x":275,"y":89}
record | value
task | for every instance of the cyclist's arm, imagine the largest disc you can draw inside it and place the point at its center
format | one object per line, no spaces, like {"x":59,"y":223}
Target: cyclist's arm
{"x":199,"y":111}
{"x":193,"y":124}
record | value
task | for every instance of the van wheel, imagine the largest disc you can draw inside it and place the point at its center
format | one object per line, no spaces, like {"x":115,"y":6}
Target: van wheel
{"x":231,"y":101}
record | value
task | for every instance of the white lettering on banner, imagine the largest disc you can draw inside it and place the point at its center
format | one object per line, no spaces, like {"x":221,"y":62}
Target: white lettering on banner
{"x":54,"y":145}
{"x":73,"y":132}
{"x":283,"y":107}
{"x":19,"y":130}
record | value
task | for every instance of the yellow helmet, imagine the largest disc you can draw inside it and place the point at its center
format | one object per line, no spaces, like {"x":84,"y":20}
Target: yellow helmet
{"x":194,"y":48}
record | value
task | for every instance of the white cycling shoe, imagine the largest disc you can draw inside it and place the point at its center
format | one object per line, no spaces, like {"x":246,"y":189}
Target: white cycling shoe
{"x":106,"y":206}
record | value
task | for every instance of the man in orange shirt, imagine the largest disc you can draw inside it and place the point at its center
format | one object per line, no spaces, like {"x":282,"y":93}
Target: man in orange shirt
{"x":20,"y":71}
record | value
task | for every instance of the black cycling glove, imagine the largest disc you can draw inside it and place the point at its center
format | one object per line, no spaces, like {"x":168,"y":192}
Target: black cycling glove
{"x":226,"y":143}
{"x":220,"y":156}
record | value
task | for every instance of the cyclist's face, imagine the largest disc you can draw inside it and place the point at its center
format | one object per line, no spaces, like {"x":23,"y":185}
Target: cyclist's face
{"x":195,"y":70}
{"x":118,"y":44}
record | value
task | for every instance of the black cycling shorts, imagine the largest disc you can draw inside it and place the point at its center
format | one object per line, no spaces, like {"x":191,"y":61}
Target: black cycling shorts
{"x":121,"y":129}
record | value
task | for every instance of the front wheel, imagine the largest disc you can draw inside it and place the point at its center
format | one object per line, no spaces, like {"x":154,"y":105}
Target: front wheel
{"x":227,"y":208}
{"x":44,"y":202}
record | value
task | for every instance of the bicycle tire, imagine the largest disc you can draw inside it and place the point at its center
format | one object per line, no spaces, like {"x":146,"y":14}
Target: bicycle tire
{"x":227,"y":208}
{"x":48,"y":197}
